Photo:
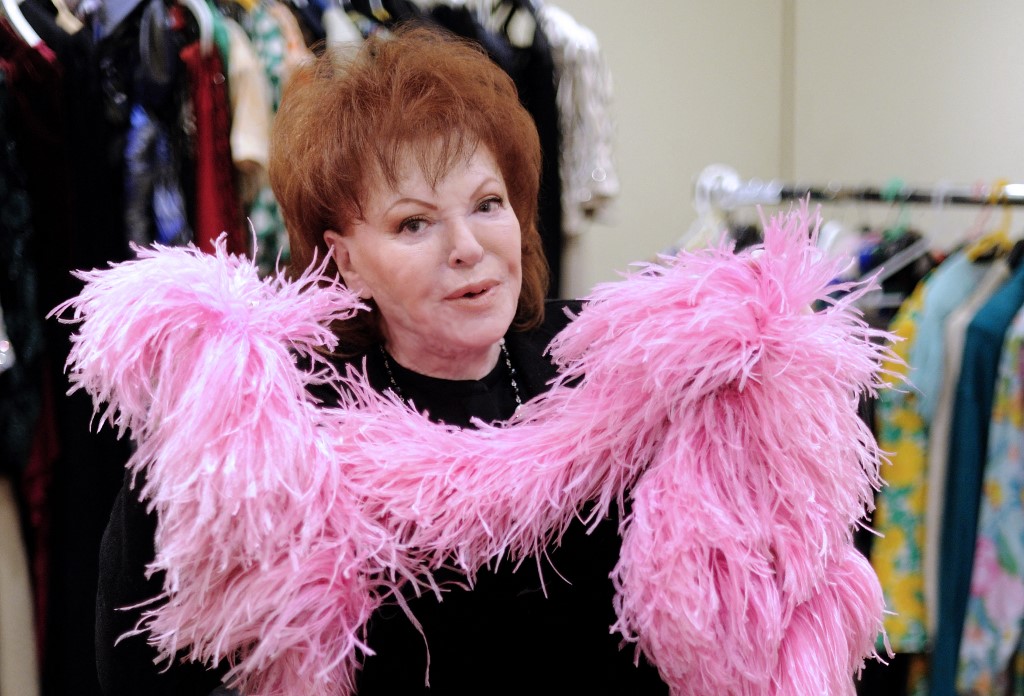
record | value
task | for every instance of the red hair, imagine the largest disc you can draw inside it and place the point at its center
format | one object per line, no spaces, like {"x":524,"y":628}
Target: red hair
{"x":347,"y":119}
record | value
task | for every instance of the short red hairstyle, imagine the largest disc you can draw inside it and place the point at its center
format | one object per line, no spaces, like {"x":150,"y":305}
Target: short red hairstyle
{"x":346,"y":120}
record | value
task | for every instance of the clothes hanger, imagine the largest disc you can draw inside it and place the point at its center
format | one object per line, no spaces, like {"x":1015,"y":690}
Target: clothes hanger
{"x":901,"y":259}
{"x":20,"y":24}
{"x":716,"y":183}
{"x":839,"y":235}
{"x":403,"y":10}
{"x":379,"y":12}
{"x":938,"y":228}
{"x":247,"y":5}
{"x":66,"y":19}
{"x":977,"y":228}
{"x":843,"y":226}
{"x":879,"y":298}
{"x":204,"y":19}
{"x":900,"y":229}
{"x":893,"y":192}
{"x":997,"y":242}
{"x":156,"y":52}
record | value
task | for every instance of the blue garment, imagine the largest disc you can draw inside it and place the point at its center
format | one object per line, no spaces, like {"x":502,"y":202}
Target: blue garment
{"x":948,"y":286}
{"x":154,"y":209}
{"x":968,"y":445}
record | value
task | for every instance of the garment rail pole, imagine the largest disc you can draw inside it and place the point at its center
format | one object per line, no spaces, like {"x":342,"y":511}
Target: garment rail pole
{"x":720,"y":187}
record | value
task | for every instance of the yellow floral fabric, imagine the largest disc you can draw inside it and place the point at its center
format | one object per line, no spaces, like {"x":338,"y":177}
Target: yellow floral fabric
{"x":899,"y":517}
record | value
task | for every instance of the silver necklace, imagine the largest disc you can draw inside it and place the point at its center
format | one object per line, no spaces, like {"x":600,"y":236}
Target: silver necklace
{"x":504,"y":351}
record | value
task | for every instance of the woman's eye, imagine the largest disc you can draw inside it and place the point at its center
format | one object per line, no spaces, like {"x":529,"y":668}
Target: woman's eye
{"x":412,"y":225}
{"x":489,"y":204}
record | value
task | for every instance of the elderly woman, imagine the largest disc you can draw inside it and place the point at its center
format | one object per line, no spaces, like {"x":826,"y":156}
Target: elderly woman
{"x":340,"y":542}
{"x":414,"y":166}
{"x":424,"y":193}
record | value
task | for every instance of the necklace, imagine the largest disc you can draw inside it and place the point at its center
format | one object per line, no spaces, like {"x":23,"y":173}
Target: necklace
{"x":504,"y":352}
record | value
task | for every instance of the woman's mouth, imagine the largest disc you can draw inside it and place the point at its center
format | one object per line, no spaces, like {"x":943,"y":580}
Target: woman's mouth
{"x":470,"y":292}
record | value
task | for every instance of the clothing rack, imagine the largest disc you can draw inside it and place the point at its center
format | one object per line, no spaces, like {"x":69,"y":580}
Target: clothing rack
{"x":720,"y":187}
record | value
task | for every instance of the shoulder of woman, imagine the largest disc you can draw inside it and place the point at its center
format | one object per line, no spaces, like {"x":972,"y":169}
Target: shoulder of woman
{"x":558,"y":314}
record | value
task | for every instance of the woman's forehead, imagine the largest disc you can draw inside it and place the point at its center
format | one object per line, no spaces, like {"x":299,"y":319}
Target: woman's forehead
{"x":429,"y":158}
{"x":429,"y":161}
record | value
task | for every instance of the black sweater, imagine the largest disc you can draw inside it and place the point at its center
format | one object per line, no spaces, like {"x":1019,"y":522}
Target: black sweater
{"x":506,"y":636}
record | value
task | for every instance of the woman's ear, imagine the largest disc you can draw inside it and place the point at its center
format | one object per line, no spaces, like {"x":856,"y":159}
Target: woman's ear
{"x":343,"y":260}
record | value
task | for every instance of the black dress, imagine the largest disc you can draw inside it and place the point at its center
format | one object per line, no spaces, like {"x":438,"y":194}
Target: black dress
{"x":506,"y":636}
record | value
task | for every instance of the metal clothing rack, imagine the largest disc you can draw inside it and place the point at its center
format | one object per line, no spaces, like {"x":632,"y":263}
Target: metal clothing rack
{"x":720,"y":187}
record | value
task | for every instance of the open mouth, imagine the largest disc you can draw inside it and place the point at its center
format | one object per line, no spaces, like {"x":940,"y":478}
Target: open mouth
{"x":471,"y":292}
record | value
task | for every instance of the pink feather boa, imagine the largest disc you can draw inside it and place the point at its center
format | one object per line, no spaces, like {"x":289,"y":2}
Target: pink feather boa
{"x":710,"y":396}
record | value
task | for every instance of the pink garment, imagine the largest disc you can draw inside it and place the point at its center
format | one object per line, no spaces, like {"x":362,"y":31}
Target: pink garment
{"x":709,"y":395}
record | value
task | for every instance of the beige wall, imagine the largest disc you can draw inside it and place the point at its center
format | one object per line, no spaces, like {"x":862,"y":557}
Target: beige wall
{"x":928,"y":92}
{"x":802,"y":90}
{"x":695,"y":82}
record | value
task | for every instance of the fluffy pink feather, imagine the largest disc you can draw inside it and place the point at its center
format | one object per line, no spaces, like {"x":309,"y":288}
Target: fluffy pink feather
{"x":709,"y":394}
{"x":192,"y":352}
{"x":762,"y":447}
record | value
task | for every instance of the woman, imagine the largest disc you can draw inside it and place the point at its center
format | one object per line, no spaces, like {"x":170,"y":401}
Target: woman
{"x":337,"y":550}
{"x":414,"y":166}
{"x":431,"y":219}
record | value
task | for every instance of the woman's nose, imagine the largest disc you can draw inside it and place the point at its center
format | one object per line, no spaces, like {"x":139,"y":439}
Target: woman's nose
{"x":466,"y":249}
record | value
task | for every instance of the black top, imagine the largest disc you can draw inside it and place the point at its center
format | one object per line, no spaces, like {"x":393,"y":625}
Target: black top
{"x":503,"y":637}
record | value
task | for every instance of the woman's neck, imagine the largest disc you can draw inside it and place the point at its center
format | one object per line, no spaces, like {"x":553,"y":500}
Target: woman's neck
{"x":453,"y":365}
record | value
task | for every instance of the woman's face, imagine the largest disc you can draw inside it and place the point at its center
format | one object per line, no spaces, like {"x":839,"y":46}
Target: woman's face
{"x":442,"y":264}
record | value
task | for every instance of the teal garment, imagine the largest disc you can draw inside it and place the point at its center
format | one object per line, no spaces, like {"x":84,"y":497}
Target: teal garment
{"x":269,"y":44}
{"x":266,"y":221}
{"x":220,"y":35}
{"x":948,"y":286}
{"x":968,"y":445}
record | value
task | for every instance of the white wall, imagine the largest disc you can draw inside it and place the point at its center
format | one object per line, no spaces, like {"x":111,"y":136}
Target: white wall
{"x":802,"y":90}
{"x":928,"y":92}
{"x":695,"y":82}
{"x":917,"y":89}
